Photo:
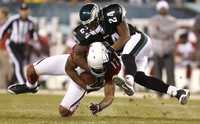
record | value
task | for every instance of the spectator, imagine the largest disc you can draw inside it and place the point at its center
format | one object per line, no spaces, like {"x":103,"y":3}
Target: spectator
{"x":20,"y":30}
{"x":162,"y":28}
{"x":5,"y":68}
{"x":196,"y":29}
{"x":185,"y":50}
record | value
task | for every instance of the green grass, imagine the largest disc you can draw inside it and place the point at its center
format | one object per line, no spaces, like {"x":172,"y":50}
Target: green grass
{"x":42,"y":109}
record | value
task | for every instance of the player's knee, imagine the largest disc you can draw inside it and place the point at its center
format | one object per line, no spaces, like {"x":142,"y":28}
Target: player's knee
{"x":64,"y":112}
{"x":31,"y":74}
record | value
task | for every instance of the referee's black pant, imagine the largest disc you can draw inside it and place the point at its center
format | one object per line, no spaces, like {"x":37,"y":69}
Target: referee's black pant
{"x":17,"y":53}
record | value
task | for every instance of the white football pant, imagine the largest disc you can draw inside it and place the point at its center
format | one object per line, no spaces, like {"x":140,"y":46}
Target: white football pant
{"x":55,"y":65}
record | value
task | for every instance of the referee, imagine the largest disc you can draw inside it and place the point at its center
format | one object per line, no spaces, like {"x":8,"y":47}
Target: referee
{"x":19,"y":31}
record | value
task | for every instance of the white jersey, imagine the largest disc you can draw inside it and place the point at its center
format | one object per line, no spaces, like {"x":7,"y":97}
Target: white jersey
{"x":185,"y":49}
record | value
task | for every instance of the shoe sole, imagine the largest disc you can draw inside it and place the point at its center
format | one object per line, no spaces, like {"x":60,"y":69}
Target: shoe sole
{"x":13,"y":93}
{"x":184,"y":98}
{"x":10,"y":91}
{"x":121,"y":83}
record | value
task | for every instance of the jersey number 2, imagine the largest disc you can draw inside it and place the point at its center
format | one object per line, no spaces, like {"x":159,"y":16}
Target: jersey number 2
{"x":112,"y":18}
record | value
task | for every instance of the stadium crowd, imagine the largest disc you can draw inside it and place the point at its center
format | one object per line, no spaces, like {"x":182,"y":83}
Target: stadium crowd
{"x":181,"y":51}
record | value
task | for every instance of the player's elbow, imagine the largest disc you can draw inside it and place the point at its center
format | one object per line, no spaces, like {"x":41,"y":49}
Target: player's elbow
{"x":110,"y":99}
{"x":69,"y":70}
{"x":64,"y":112}
{"x":127,"y":37}
{"x":124,"y":38}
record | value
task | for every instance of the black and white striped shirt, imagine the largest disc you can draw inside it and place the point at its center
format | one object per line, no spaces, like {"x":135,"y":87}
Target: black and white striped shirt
{"x":20,"y":31}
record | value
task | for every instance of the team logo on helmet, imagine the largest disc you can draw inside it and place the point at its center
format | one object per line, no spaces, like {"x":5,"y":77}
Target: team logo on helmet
{"x":88,"y":13}
{"x":97,"y":56}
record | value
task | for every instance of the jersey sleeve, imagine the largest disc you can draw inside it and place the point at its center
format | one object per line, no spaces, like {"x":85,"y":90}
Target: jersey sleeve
{"x":79,"y":37}
{"x":7,"y":27}
{"x":83,"y":36}
{"x":114,"y":14}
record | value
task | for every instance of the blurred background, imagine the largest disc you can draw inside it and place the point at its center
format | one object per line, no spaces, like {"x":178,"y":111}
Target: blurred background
{"x":56,"y":19}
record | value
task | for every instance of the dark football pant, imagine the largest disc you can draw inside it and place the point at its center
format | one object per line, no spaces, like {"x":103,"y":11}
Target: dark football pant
{"x":139,"y":53}
{"x":16,"y":52}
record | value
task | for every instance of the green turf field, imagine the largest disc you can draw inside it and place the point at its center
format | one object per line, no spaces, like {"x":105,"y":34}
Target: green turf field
{"x":42,"y":109}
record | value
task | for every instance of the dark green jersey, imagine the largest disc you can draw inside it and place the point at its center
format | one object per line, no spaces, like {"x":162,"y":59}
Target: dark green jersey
{"x":84,"y":36}
{"x":109,"y":18}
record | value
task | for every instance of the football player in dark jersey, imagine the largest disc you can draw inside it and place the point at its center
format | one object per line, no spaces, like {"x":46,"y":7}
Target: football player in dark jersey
{"x":109,"y":24}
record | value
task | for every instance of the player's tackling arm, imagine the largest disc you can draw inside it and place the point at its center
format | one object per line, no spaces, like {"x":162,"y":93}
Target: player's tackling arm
{"x":124,"y":36}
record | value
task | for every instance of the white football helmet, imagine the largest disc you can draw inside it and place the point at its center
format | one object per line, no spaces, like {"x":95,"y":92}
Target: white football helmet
{"x":97,"y":56}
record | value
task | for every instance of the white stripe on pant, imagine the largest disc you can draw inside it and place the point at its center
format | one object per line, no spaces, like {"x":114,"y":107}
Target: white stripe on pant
{"x":16,"y":63}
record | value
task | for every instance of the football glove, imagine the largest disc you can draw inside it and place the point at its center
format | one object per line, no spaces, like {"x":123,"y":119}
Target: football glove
{"x":95,"y":108}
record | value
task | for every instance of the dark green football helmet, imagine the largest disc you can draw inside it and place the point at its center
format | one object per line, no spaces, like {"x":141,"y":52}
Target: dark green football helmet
{"x":88,"y":13}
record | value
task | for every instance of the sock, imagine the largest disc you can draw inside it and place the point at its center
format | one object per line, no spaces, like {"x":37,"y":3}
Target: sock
{"x":172,"y":91}
{"x":29,"y":85}
{"x":129,"y":64}
{"x":151,"y":82}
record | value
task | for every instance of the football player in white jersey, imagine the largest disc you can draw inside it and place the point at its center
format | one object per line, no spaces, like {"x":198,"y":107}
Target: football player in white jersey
{"x":101,"y":65}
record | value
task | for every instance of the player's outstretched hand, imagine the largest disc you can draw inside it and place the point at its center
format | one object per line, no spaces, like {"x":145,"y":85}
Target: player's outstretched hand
{"x":94,"y":108}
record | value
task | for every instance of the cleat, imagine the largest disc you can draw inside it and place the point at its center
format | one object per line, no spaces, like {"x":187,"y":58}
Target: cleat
{"x":183,"y":96}
{"x":122,"y":84}
{"x":21,"y":88}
